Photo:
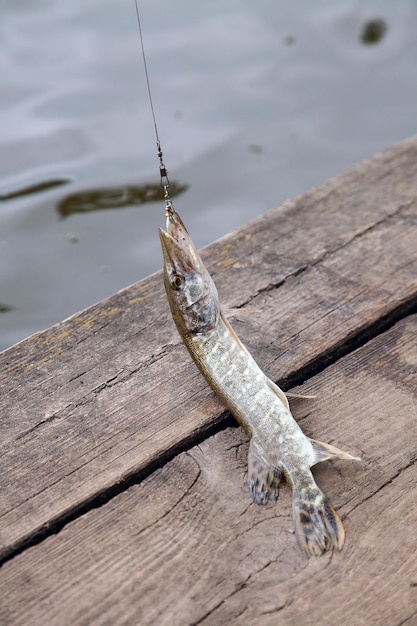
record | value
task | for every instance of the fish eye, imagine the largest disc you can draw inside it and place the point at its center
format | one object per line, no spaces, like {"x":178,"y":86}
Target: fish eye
{"x":177,"y":282}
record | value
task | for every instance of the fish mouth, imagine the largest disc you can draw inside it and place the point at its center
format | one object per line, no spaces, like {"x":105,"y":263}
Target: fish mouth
{"x":177,"y":247}
{"x":169,"y":245}
{"x":175,"y":226}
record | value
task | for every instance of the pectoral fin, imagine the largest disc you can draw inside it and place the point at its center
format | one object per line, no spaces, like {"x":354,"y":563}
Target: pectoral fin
{"x":235,"y":312}
{"x":283,"y":396}
{"x":263,"y":478}
{"x":325,"y":451}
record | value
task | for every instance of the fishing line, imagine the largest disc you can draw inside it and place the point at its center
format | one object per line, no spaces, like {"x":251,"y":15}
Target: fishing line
{"x":169,"y":208}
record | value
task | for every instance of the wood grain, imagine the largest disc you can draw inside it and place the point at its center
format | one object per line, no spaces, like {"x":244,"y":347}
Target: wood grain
{"x":187,"y":546}
{"x":105,"y":396}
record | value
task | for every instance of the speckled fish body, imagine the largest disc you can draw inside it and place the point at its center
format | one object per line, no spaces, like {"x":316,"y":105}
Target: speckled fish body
{"x":277,"y":444}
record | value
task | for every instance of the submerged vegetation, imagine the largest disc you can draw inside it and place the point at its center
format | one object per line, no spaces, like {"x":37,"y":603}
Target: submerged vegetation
{"x":35,"y":188}
{"x":4,"y":308}
{"x":116,"y":197}
{"x":373,"y":31}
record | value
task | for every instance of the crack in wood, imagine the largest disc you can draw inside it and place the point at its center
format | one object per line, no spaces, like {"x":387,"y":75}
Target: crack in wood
{"x":102,"y":497}
{"x":178,"y":502}
{"x":40,"y":424}
{"x":241,"y":585}
{"x":407,"y":620}
{"x":127,"y":372}
{"x":120,"y":377}
{"x":391,"y":480}
{"x":282,"y":279}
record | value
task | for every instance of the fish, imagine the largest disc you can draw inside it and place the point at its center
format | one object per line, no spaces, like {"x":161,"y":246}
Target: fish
{"x":278,"y":448}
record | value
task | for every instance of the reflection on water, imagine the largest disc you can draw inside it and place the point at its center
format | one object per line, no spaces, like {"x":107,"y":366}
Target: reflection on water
{"x":35,"y":188}
{"x":373,"y":31}
{"x":4,"y":308}
{"x":116,"y":197}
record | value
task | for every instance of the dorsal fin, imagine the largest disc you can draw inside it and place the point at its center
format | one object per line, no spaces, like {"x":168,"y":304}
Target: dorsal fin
{"x":281,"y":395}
{"x":299,"y":396}
{"x":324,"y":451}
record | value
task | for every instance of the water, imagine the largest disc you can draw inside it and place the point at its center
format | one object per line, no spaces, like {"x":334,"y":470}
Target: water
{"x":256,"y":102}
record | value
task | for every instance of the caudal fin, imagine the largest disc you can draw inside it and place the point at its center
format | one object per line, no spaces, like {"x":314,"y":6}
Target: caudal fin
{"x":317,"y":525}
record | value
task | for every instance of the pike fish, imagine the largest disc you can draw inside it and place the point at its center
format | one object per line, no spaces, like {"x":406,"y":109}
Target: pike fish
{"x":277,"y":446}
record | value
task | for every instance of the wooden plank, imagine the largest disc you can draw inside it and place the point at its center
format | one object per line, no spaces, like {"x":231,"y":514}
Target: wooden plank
{"x":98,"y":400}
{"x":187,"y":546}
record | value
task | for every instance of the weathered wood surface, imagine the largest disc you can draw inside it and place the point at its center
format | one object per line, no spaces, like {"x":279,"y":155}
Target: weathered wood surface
{"x":109,"y":392}
{"x":92,"y":406}
{"x":187,"y":545}
{"x":100,"y":399}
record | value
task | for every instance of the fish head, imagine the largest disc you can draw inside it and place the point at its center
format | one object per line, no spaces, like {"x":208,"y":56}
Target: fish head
{"x":191,"y":292}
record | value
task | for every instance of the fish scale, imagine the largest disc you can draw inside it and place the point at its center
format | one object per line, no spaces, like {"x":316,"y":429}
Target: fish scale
{"x":277,"y":443}
{"x":258,"y":409}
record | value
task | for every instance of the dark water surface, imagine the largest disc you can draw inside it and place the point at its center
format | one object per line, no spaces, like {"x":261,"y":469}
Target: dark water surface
{"x":256,"y":102}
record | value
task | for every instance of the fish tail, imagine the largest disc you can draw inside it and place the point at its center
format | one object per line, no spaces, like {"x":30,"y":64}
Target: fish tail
{"x":318,"y":527}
